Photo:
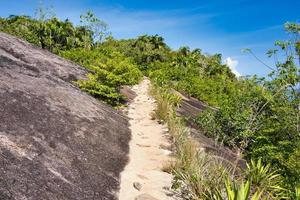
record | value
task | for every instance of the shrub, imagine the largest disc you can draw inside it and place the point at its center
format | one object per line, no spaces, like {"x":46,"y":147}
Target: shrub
{"x":110,"y":70}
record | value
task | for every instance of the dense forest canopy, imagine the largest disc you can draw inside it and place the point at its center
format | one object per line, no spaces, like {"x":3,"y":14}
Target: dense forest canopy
{"x":260,"y":116}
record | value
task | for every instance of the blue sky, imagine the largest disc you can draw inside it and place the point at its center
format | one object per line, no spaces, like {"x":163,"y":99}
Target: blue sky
{"x":215,"y":26}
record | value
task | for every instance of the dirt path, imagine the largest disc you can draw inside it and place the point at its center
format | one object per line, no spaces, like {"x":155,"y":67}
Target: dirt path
{"x":142,"y":178}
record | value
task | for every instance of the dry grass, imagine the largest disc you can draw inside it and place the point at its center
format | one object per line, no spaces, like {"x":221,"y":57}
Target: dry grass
{"x":196,"y":173}
{"x":168,"y":167}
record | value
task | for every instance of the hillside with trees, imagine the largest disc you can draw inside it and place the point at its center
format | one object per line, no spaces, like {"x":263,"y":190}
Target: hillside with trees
{"x":259,"y":116}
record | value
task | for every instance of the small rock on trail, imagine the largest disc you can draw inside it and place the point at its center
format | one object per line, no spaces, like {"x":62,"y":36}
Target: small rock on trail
{"x":137,"y":186}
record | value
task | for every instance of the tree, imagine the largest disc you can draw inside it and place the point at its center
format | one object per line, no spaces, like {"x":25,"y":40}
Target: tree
{"x":94,"y":25}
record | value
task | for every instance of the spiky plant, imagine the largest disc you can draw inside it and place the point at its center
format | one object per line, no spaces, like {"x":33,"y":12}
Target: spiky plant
{"x":264,"y":178}
{"x":241,"y":192}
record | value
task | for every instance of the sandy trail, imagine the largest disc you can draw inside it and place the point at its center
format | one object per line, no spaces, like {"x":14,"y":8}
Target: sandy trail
{"x":146,"y":154}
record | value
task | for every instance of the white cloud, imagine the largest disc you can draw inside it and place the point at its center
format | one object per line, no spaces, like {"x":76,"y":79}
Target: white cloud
{"x":232,"y":64}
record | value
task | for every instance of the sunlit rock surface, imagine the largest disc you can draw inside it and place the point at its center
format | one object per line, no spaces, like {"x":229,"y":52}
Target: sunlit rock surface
{"x":56,"y":142}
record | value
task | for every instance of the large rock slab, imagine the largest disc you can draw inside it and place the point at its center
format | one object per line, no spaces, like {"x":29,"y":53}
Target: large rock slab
{"x":189,"y":109}
{"x":56,"y":142}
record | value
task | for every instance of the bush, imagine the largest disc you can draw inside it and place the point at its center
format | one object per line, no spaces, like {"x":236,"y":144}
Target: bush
{"x":110,"y":70}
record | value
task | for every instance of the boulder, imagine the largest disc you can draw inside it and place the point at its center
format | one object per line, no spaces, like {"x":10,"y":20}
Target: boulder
{"x":56,"y":142}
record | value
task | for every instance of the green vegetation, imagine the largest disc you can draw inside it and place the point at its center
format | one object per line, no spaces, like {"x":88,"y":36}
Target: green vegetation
{"x":260,"y":116}
{"x":110,"y":70}
{"x":202,"y":176}
{"x":52,"y":34}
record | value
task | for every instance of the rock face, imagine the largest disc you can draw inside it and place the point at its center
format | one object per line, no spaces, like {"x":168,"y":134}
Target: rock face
{"x":56,"y":142}
{"x":190,"y":108}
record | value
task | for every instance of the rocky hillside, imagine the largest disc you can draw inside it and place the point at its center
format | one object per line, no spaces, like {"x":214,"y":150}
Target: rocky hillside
{"x":56,"y":142}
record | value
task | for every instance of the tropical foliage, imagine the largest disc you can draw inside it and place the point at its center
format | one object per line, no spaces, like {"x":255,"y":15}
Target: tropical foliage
{"x":260,"y":116}
{"x":52,"y":34}
{"x":110,"y":70}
